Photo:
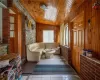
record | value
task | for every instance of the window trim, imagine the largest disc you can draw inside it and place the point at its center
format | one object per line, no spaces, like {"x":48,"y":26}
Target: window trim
{"x":14,"y":28}
{"x":53,"y":36}
{"x":66,"y":30}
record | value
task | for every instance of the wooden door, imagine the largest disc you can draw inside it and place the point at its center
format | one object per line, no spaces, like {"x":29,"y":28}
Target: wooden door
{"x":74,"y":51}
{"x":13,"y":34}
{"x":78,"y":45}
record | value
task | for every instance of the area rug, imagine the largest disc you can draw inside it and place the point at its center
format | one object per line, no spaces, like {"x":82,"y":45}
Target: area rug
{"x":53,"y":69}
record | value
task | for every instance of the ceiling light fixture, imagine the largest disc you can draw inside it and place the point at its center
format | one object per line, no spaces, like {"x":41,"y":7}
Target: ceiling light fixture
{"x":43,"y":6}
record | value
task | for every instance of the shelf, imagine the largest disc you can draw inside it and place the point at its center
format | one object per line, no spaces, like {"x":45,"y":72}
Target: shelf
{"x":92,"y":59}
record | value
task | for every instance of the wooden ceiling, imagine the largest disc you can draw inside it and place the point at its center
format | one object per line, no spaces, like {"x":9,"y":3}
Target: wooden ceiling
{"x":62,"y":7}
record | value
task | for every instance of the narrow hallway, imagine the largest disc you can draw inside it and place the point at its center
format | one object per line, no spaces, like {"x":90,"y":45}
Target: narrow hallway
{"x":49,"y":39}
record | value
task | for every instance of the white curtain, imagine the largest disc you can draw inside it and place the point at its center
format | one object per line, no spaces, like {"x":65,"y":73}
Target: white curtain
{"x":62,"y":36}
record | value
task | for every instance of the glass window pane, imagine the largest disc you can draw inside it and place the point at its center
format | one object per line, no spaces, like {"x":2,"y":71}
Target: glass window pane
{"x":11,"y":26}
{"x":75,"y":38}
{"x":11,"y":19}
{"x":12,"y":34}
{"x":48,"y":36}
{"x":66,"y":35}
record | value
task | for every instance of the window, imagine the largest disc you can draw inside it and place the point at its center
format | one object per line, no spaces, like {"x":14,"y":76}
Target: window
{"x":48,"y":36}
{"x":66,"y":35}
{"x":12,"y":34}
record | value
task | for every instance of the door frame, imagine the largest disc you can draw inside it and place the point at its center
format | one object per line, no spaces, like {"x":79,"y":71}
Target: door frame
{"x":78,"y":17}
{"x":15,"y":31}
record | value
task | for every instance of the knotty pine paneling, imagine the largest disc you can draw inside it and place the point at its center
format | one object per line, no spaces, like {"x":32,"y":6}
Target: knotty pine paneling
{"x":5,"y":26}
{"x":41,"y":27}
{"x":92,"y":31}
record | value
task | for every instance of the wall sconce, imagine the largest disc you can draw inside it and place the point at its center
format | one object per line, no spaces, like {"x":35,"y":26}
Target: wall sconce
{"x":96,"y":5}
{"x":29,"y":24}
{"x":89,"y":22}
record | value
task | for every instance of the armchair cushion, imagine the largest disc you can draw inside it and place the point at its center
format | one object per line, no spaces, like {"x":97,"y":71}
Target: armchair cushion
{"x":41,"y":46}
{"x":51,"y":45}
{"x":36,"y":46}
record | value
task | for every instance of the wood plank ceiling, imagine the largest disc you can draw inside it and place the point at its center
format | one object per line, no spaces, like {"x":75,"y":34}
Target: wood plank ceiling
{"x":56,"y":12}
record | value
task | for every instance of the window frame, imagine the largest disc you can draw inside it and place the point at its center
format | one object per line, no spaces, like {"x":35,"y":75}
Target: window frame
{"x":66,"y":36}
{"x":13,"y":27}
{"x":48,"y":36}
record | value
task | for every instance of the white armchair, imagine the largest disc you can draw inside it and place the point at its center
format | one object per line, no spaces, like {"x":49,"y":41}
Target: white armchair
{"x":34,"y":52}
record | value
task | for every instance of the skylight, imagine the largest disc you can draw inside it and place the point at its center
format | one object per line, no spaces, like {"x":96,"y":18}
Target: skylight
{"x":50,"y":13}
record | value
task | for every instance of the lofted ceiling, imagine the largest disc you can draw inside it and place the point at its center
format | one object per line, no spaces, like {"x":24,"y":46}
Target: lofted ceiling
{"x":55,"y":13}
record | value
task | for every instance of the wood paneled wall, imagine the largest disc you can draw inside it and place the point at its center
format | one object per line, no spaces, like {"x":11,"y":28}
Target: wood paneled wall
{"x":6,"y":25}
{"x":92,"y":31}
{"x":41,"y":27}
{"x":21,"y":35}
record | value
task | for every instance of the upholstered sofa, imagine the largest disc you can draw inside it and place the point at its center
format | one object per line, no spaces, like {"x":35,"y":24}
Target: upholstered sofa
{"x":35,"y":50}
